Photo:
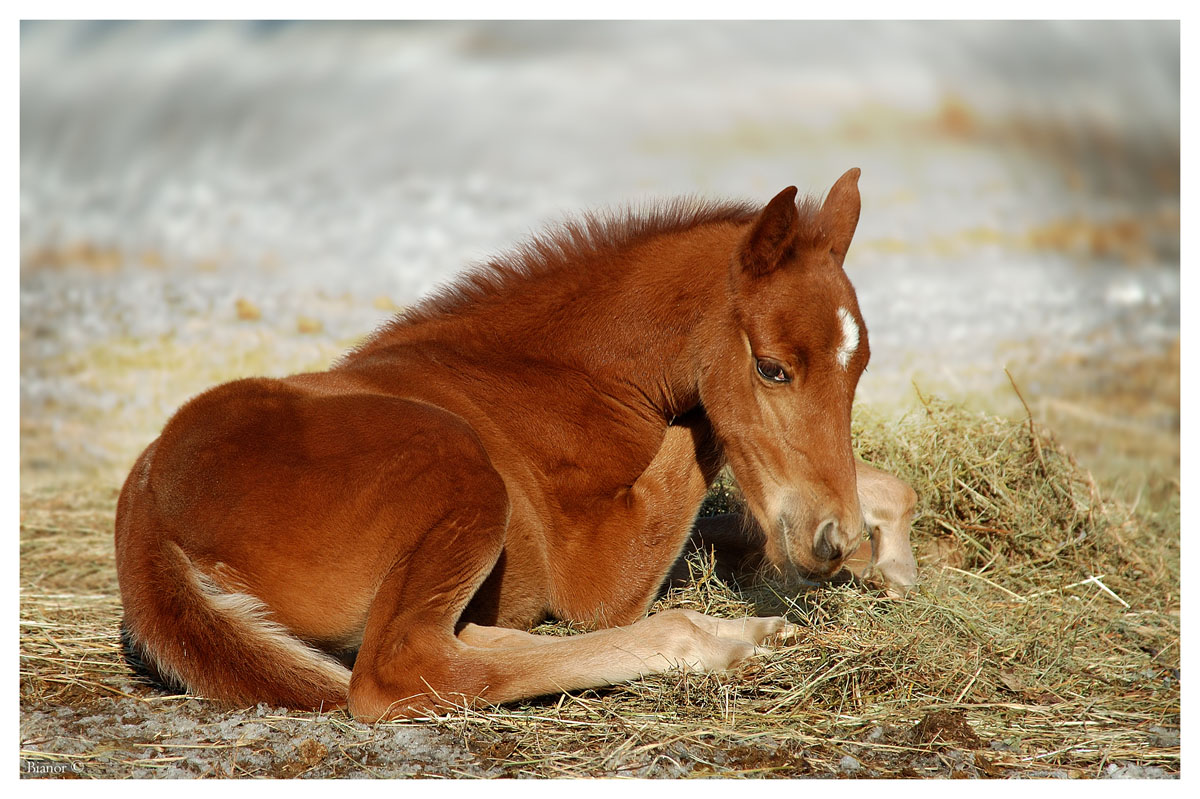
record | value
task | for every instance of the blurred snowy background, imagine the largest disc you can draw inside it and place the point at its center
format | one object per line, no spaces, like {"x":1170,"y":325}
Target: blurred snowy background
{"x":203,"y":201}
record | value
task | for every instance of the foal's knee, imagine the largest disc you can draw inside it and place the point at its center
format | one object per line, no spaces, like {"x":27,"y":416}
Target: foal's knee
{"x":888,"y":500}
{"x":907,"y":499}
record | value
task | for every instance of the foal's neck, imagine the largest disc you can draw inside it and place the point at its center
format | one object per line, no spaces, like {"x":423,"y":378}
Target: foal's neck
{"x":629,"y":320}
{"x":639,"y":330}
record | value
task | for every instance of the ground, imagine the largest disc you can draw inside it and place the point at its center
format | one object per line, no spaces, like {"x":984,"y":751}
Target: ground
{"x":1043,"y":642}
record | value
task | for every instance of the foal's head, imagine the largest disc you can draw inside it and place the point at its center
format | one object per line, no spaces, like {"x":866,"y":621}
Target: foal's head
{"x":780,"y":385}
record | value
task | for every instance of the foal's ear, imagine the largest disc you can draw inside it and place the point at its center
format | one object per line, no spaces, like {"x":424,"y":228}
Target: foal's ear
{"x":839,"y":214}
{"x":771,"y":236}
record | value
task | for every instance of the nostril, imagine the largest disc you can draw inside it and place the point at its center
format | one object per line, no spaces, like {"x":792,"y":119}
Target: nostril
{"x":826,"y":547}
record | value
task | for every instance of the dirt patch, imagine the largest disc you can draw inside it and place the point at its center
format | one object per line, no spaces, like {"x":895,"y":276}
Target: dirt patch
{"x":945,"y":727}
{"x":135,"y":736}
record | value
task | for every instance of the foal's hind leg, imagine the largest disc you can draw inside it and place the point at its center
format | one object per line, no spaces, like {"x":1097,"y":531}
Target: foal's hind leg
{"x":411,"y":659}
{"x":752,"y":629}
{"x":668,"y":640}
{"x":412,"y":662}
{"x":479,"y":635}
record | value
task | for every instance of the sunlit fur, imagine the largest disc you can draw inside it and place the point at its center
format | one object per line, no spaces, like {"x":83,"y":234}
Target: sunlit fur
{"x":533,"y":441}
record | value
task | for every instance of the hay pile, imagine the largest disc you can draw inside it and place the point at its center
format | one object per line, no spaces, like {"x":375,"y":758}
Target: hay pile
{"x":1043,"y":641}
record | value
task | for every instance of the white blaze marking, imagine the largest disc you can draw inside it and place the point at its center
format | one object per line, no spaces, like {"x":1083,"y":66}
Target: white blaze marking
{"x":849,"y":343}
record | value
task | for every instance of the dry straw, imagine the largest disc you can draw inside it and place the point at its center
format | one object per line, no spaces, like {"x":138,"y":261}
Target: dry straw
{"x":1042,"y":640}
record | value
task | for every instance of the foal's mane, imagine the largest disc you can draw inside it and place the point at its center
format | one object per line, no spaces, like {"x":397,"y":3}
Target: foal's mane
{"x":574,"y":241}
{"x":580,"y":242}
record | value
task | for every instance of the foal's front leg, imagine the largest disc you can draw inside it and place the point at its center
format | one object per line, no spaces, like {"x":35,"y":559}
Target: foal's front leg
{"x":415,"y":656}
{"x":887,"y":504}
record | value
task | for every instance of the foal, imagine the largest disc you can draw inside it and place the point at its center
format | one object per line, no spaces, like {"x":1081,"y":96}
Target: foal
{"x":533,"y":442}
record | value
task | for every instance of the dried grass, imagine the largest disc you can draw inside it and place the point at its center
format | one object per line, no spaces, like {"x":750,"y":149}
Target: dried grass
{"x":1043,"y":640}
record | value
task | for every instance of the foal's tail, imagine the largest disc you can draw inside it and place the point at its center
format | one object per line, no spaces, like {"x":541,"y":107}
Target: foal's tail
{"x":184,"y":633}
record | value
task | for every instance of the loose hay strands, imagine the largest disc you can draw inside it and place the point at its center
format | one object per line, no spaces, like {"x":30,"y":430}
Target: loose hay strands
{"x":1013,"y":658}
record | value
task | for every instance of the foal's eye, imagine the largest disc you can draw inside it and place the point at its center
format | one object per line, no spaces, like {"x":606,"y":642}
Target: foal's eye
{"x":772,"y":371}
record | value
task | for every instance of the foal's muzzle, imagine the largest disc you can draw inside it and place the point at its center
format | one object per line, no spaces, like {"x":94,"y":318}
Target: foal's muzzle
{"x":824,"y":555}
{"x":826,"y":545}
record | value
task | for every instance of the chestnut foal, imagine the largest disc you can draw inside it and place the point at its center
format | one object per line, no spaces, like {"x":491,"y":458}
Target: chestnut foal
{"x":533,"y":442}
